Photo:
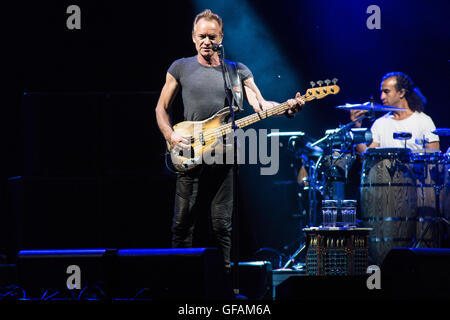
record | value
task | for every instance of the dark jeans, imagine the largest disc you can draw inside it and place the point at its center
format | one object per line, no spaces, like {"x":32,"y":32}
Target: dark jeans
{"x":211,"y":185}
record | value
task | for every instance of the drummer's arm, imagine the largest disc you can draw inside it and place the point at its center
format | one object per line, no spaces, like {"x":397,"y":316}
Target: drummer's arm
{"x":302,"y":177}
{"x":433,"y":145}
{"x":360,"y":148}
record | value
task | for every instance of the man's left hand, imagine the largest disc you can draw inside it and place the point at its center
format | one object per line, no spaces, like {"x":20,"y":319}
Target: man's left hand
{"x":295,"y":105}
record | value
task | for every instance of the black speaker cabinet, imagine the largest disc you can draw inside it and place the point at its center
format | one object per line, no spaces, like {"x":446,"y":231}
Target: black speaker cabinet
{"x":160,"y":274}
{"x":49,"y":274}
{"x":255,"y":280}
{"x":417,"y":273}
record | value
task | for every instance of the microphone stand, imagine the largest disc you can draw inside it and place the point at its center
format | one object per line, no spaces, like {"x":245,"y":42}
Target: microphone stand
{"x":235,"y":216}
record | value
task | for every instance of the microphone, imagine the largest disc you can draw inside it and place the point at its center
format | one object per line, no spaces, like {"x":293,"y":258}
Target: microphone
{"x":217,"y":46}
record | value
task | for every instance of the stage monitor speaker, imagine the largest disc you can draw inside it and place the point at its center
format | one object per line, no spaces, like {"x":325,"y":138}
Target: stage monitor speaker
{"x":171,"y":274}
{"x":66,"y":274}
{"x":417,"y":273}
{"x":8,"y":275}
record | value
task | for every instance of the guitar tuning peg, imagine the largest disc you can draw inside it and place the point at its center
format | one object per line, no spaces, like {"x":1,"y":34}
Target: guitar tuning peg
{"x":327,"y":82}
{"x":320,"y":82}
{"x":312,"y":84}
{"x":335,"y":80}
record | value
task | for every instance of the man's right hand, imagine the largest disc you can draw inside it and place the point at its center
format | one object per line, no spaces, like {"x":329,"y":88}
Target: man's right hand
{"x":179,"y":141}
{"x":356,"y":114}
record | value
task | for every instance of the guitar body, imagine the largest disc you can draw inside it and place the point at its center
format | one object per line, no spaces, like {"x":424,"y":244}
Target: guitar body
{"x":184,"y":160}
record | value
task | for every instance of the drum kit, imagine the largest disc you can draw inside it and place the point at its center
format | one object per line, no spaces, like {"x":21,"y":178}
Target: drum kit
{"x":404,"y":195}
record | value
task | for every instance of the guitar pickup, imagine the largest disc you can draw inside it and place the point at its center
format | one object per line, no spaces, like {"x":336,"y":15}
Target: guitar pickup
{"x":201,"y":138}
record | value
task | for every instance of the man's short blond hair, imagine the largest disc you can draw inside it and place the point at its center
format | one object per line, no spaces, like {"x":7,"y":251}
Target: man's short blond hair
{"x":208,"y":15}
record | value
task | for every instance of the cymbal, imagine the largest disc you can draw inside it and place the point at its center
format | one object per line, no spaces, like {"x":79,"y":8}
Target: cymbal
{"x":299,"y":142}
{"x":368,"y":106}
{"x":442,"y":131}
{"x":286,"y":134}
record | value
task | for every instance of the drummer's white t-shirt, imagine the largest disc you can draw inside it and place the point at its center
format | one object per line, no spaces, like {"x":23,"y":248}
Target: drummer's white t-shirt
{"x":418,"y":124}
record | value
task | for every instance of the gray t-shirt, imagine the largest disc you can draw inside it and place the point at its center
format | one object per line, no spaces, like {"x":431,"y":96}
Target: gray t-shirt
{"x":202,"y":87}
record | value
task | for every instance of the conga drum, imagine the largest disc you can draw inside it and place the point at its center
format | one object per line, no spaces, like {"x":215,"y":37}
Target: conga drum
{"x":429,"y":169}
{"x":388,"y":200}
{"x":445,"y":197}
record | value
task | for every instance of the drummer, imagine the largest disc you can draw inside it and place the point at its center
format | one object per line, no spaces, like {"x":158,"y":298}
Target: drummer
{"x":397,"y":90}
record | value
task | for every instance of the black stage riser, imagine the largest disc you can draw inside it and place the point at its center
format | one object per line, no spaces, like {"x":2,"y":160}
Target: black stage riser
{"x":417,"y":273}
{"x":326,"y":288}
{"x":406,"y":274}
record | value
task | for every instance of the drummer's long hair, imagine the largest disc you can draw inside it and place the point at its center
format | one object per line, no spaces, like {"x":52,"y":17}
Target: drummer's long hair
{"x":416,"y":100}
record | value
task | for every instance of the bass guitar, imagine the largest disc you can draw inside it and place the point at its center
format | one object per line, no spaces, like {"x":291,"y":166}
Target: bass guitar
{"x":205,"y":135}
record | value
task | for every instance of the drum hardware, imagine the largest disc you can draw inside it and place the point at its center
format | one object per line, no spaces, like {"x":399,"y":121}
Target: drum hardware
{"x":312,"y":187}
{"x":342,"y":134}
{"x":442,"y":131}
{"x":347,"y":138}
{"x":378,"y":219}
{"x":301,"y":146}
{"x":405,"y":136}
{"x":437,"y":176}
{"x":344,"y":137}
{"x":435,"y":220}
{"x":294,"y":257}
{"x":398,"y":165}
{"x":423,"y":142}
{"x":309,"y":149}
{"x":337,"y":161}
{"x":299,"y":143}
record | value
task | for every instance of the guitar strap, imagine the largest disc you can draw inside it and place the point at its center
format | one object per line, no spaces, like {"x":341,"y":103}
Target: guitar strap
{"x":236,"y":83}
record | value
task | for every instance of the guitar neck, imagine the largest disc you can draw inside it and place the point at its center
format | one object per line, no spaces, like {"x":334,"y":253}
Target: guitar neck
{"x":253,"y":118}
{"x":311,"y":94}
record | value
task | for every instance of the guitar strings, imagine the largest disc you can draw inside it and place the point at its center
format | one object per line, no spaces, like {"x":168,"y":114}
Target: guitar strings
{"x":226,"y":128}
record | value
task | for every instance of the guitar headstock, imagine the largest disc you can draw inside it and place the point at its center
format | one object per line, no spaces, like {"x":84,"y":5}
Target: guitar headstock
{"x":321,"y":91}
